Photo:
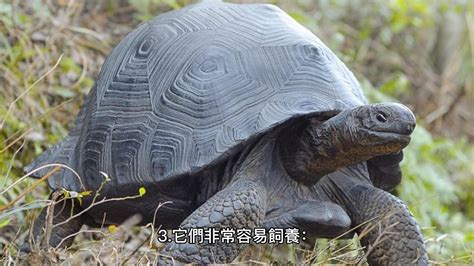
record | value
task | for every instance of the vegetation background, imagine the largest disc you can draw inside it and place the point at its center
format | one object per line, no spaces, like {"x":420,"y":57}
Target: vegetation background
{"x":419,"y":52}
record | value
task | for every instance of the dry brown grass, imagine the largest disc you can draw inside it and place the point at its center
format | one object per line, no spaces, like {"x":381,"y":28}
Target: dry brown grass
{"x":49,"y":56}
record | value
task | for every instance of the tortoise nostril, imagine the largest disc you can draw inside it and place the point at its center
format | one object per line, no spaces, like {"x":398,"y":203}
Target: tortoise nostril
{"x":381,"y":117}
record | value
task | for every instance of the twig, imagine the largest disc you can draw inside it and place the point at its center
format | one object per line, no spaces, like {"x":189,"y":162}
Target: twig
{"x":28,"y":190}
{"x":28,"y":89}
{"x":104,"y":200}
{"x":28,"y":129}
{"x":49,"y":220}
{"x":338,"y":237}
{"x":41,"y":168}
{"x":77,"y":233}
{"x":14,"y":141}
{"x":135,"y":251}
{"x":11,"y":164}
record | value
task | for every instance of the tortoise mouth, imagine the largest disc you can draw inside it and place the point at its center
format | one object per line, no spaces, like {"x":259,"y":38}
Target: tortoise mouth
{"x":391,"y":133}
{"x":399,"y":136}
{"x":381,"y":137}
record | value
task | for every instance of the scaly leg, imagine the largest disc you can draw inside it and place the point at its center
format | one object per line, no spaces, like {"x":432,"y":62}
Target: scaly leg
{"x":388,"y":231}
{"x":240,"y":205}
{"x":395,"y":238}
{"x":315,"y":218}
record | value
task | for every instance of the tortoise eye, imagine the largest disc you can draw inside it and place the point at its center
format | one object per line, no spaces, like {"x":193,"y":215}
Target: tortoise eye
{"x":381,"y":117}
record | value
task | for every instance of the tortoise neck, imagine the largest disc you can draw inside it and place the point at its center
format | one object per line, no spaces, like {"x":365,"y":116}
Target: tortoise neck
{"x":315,"y":148}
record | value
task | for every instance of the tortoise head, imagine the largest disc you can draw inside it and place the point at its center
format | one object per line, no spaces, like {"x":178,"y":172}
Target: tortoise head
{"x":384,"y":127}
{"x":350,"y":137}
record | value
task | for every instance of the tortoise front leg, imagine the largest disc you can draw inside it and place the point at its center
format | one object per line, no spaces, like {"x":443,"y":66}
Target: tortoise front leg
{"x":389,"y":233}
{"x":240,"y":205}
{"x":401,"y":242}
{"x":314,"y":218}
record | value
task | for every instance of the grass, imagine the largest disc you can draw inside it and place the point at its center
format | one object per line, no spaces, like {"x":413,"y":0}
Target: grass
{"x":50,"y":55}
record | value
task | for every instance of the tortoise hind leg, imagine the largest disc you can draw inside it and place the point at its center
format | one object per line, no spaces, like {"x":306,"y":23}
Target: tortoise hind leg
{"x":239,"y":205}
{"x":60,"y":235}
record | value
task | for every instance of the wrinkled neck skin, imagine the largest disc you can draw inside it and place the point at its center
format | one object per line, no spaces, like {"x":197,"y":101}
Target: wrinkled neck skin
{"x":306,"y":151}
{"x":261,"y":162}
{"x":316,"y":148}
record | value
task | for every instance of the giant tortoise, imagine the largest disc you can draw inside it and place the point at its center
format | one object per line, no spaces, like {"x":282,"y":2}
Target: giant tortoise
{"x":240,"y":118}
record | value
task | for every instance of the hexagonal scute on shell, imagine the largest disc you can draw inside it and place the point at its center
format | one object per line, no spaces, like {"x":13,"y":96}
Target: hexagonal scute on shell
{"x":192,"y":87}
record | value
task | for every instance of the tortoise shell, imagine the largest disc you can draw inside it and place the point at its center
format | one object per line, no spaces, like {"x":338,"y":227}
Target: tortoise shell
{"x":191,"y":87}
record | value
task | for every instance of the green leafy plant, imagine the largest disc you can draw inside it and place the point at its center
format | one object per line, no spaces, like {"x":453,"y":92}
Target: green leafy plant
{"x":50,"y":54}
